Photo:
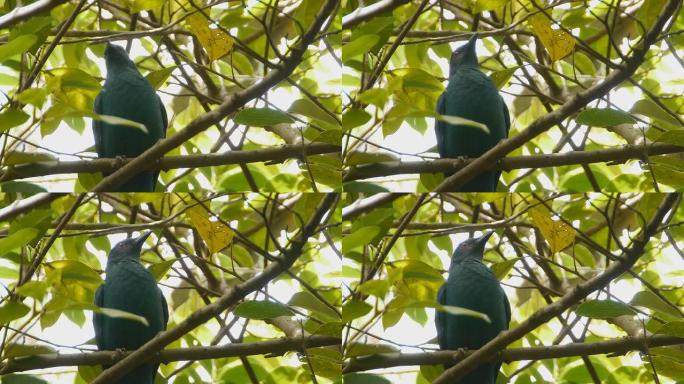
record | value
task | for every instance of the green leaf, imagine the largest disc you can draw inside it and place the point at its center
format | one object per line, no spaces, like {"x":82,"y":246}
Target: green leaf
{"x":359,"y":238}
{"x":308,"y":301}
{"x":76,"y":271}
{"x":116,"y":120}
{"x":33,"y":96}
{"x":119,"y":314}
{"x":261,"y":310}
{"x":17,"y":239}
{"x":376,"y":288}
{"x":673,"y":328}
{"x":604,"y":117}
{"x":261,"y":117}
{"x":358,"y":158}
{"x":354,"y":309}
{"x":374,"y":96}
{"x":463,"y":311}
{"x":11,"y":118}
{"x":158,"y":270}
{"x":13,"y":350}
{"x":16,"y":46}
{"x":455,"y":120}
{"x":19,"y":157}
{"x":501,"y":269}
{"x":500,"y":78}
{"x":675,"y":137}
{"x":36,"y":289}
{"x":488,"y":5}
{"x":356,"y":349}
{"x":355,"y":117}
{"x":308,"y":108}
{"x":649,"y":108}
{"x":603,"y":309}
{"x":158,"y":78}
{"x":360,"y":187}
{"x":364,"y":378}
{"x":358,"y":46}
{"x":12,"y":311}
{"x":650,"y":300}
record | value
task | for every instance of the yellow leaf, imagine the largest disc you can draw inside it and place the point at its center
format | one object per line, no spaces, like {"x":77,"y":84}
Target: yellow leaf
{"x":558,"y":43}
{"x":214,"y":233}
{"x":216,"y":42}
{"x":558,"y":234}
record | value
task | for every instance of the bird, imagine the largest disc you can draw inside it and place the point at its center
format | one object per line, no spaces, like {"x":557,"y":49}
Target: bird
{"x":129,"y":95}
{"x":129,"y":287}
{"x":472,"y":285}
{"x":472,"y":95}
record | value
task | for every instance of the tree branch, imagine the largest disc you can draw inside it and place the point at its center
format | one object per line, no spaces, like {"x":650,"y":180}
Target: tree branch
{"x":268,"y":155}
{"x":271,"y":347}
{"x":610,"y":155}
{"x":231,"y":297}
{"x":573,"y":105}
{"x":27,"y":11}
{"x":615,"y":346}
{"x":579,"y":292}
{"x":230,"y":105}
{"x":359,"y":15}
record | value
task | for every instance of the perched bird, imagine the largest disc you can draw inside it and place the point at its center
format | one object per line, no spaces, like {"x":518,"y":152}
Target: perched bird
{"x":127,"y":94}
{"x":472,"y":285}
{"x":472,"y":95}
{"x":130,"y":287}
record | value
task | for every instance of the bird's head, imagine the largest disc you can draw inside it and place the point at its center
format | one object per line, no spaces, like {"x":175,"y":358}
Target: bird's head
{"x":471,"y":248}
{"x":464,"y":55}
{"x":128,"y":249}
{"x":116,"y":55}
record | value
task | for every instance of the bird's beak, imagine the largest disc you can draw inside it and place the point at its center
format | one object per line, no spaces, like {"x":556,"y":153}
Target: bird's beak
{"x":472,"y":41}
{"x":483,"y":240}
{"x":141,"y":240}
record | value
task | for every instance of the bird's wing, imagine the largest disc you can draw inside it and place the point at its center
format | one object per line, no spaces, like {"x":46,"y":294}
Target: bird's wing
{"x":165,"y":118}
{"x":165,"y":125}
{"x":165,"y":308}
{"x":507,"y":308}
{"x":507,"y":116}
{"x":97,"y":126}
{"x":440,"y":128}
{"x":507,"y":121}
{"x":97,"y":318}
{"x":440,"y":317}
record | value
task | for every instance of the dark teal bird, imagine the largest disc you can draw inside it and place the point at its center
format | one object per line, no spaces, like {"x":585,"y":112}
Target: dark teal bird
{"x":127,"y":94}
{"x":472,"y":285}
{"x":472,"y":95}
{"x":130,"y":287}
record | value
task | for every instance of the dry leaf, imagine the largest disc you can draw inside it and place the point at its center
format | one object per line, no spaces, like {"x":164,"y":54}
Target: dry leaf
{"x":557,"y":234}
{"x":558,"y":43}
{"x":216,"y":42}
{"x":214,"y":233}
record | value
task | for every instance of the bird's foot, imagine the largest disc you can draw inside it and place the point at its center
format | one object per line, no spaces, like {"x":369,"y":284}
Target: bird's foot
{"x":120,"y":161}
{"x":461,"y":353}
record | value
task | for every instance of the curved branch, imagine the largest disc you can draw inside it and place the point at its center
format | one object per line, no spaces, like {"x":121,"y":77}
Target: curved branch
{"x":611,"y":155}
{"x":271,"y":347}
{"x":230,"y":105}
{"x":268,"y":155}
{"x":615,"y":346}
{"x":27,"y":11}
{"x":359,"y":15}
